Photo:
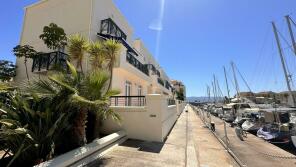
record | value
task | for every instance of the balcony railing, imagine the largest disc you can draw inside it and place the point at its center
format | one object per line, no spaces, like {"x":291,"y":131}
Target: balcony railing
{"x":171,"y":102}
{"x":136,"y":63}
{"x":153,"y":69}
{"x":110,"y":30}
{"x":128,"y":101}
{"x":108,"y":27}
{"x":160,"y":81}
{"x":167,"y":85}
{"x":48,"y":61}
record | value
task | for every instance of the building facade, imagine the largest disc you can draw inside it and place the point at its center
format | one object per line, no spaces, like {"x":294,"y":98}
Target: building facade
{"x":136,"y":72}
{"x":179,"y":86}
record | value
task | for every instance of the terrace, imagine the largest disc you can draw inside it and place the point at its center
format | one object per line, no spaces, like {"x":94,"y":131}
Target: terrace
{"x":136,"y":63}
{"x":49,"y":61}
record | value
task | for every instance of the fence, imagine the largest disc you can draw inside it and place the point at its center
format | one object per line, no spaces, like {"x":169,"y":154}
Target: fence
{"x":171,"y":102}
{"x":128,"y":101}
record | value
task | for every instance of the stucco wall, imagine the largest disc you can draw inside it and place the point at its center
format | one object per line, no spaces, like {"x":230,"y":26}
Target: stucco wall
{"x":45,"y":12}
{"x":151,"y":123}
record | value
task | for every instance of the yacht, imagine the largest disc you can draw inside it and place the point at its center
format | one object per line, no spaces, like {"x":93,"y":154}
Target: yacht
{"x":279,"y":125}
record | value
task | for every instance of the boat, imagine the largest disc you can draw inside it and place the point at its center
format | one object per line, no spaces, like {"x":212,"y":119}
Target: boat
{"x":279,"y":125}
{"x":253,"y":123}
{"x":233,"y":112}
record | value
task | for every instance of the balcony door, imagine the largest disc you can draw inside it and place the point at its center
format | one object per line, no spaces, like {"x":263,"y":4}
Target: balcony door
{"x":140,"y":94}
{"x":128,"y":90}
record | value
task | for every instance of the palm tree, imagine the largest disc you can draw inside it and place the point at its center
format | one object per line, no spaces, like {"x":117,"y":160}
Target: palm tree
{"x":29,"y":128}
{"x":96,"y":52}
{"x":111,"y":49}
{"x":25,"y":51}
{"x":83,"y":92}
{"x":77,"y":47}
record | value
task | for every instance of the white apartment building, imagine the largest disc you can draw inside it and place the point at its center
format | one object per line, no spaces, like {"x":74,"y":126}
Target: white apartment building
{"x":136,"y":73}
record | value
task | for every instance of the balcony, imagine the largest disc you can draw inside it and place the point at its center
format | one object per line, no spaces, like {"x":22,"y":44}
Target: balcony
{"x":110,"y":30}
{"x":49,"y":61}
{"x":108,"y":27}
{"x":160,"y":81}
{"x":171,"y":102}
{"x":134,"y":62}
{"x":127,"y":101}
{"x":167,"y":85}
{"x":153,"y":69}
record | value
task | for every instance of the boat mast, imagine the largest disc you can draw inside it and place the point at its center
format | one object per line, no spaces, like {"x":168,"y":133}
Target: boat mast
{"x":218,"y":89}
{"x":226,"y":81}
{"x":235,"y":81}
{"x":287,"y":77}
{"x":209,"y":93}
{"x":215,"y":88}
{"x":288,"y":18}
{"x":214,"y":93}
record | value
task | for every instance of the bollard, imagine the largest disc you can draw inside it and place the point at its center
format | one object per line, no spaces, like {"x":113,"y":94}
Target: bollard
{"x":213,"y":128}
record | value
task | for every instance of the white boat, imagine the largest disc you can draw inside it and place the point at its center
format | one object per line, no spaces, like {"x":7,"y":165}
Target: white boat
{"x":293,"y":138}
{"x":278,"y":127}
{"x":253,"y":124}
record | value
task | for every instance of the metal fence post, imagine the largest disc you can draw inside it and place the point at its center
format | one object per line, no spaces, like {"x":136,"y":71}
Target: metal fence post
{"x":226,"y":137}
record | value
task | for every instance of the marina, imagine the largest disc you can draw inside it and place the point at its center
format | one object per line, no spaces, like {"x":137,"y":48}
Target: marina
{"x":151,"y":83}
{"x":252,"y":151}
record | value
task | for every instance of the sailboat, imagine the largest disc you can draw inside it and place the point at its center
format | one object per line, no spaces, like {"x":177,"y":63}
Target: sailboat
{"x":287,"y":76}
{"x":279,"y":127}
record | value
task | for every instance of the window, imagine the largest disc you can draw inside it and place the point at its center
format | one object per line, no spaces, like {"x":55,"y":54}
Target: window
{"x":140,"y":100}
{"x":139,"y":90}
{"x":128,"y":90}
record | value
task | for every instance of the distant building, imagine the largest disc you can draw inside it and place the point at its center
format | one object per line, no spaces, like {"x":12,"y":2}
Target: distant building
{"x":178,"y":87}
{"x":269,"y":96}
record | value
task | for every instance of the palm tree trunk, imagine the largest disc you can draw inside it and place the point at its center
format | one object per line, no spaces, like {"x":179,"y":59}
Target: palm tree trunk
{"x":111,"y":76}
{"x":26,"y":69}
{"x":79,"y":127}
{"x":81,"y":67}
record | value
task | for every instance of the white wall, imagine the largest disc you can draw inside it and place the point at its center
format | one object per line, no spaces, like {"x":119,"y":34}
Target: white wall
{"x":150,"y":123}
{"x":43,"y":13}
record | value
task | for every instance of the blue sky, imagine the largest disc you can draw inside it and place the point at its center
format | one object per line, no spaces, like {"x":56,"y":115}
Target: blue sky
{"x":193,"y":39}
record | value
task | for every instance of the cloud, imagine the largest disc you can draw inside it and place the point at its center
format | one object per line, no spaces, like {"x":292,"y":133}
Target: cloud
{"x":156,"y":25}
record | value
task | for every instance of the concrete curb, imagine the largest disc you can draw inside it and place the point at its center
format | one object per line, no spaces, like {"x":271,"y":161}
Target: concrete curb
{"x":74,"y":156}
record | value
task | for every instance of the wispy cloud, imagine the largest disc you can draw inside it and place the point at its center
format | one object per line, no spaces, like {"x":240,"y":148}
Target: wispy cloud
{"x":157,"y":25}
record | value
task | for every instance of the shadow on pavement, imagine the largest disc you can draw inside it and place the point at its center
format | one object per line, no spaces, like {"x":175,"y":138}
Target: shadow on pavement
{"x":153,"y":147}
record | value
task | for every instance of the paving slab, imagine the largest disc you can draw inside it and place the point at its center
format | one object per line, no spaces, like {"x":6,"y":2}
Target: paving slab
{"x":210,"y":151}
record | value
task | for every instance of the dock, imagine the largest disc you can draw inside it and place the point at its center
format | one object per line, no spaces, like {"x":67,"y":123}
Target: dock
{"x":254,"y":151}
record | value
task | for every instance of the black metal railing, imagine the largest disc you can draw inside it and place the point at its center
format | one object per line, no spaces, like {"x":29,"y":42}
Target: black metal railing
{"x":167,"y":85}
{"x":108,"y":26}
{"x":171,"y":102}
{"x":153,"y":69}
{"x":160,"y":81}
{"x":48,"y":61}
{"x":136,"y":63}
{"x":128,"y":101}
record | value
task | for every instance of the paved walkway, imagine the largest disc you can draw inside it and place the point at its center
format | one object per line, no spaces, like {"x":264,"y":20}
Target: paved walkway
{"x":254,"y":151}
{"x":189,"y":144}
